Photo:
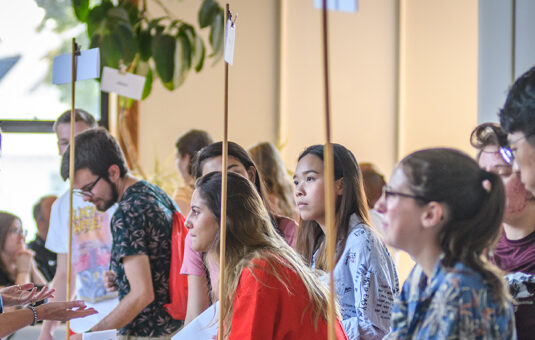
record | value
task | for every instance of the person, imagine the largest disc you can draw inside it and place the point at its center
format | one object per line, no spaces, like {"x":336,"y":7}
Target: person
{"x":91,"y":242}
{"x":203,"y":278}
{"x":269,"y":292}
{"x":445,"y":211}
{"x":366,"y":280}
{"x":141,"y":230}
{"x":515,"y":250}
{"x":23,"y":294}
{"x":517,"y":117}
{"x":278,"y":184}
{"x":187,"y":146}
{"x":374,"y":182}
{"x":17,"y":264}
{"x":44,"y":258}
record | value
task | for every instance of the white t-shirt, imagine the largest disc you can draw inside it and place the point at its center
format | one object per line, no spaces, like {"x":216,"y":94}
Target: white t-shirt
{"x":91,"y":251}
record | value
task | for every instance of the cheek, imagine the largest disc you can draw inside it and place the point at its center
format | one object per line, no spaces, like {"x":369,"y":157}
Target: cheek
{"x":517,"y":195}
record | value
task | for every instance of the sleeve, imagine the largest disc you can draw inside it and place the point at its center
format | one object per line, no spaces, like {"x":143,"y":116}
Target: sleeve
{"x":255,"y":310}
{"x":192,"y":263}
{"x":373,"y":294}
{"x":288,"y":227}
{"x":56,"y":239}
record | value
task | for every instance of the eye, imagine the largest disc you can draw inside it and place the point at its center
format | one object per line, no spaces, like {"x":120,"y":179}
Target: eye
{"x":296,"y":183}
{"x":310,"y":178}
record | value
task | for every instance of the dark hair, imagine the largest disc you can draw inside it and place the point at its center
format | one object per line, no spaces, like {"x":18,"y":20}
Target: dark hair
{"x":487,"y":134}
{"x":518,"y":112}
{"x":96,"y":150}
{"x":310,"y":237}
{"x":191,"y":142}
{"x":79,"y":116}
{"x":6,"y":220}
{"x":373,"y":182}
{"x":474,"y":213}
{"x":37,"y":211}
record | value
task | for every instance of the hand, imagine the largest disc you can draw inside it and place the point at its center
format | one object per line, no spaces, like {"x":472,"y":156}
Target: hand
{"x":108,"y":277}
{"x":63,"y":311}
{"x":23,"y":294}
{"x":46,"y":336}
{"x":76,"y":336}
{"x":24,"y":261}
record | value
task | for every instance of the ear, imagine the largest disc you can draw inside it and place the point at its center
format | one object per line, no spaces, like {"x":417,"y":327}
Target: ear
{"x":251,"y":172}
{"x":433,"y":214}
{"x":339,"y":186}
{"x":114,"y":173}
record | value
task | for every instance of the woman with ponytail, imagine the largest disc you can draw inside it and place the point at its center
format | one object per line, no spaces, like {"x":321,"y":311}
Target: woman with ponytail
{"x":442,"y":209}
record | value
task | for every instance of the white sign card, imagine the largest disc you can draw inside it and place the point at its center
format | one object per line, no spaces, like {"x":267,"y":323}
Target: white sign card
{"x":123,"y":83}
{"x":203,"y":327}
{"x":110,"y":334}
{"x":338,"y":5}
{"x":230,"y":35}
{"x":87,"y":66}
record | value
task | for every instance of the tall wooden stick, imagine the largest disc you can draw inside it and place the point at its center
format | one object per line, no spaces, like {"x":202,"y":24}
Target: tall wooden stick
{"x":329,"y":183}
{"x":75,"y":51}
{"x":223,"y":223}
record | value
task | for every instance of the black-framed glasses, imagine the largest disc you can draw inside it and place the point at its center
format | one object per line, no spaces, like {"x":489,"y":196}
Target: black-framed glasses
{"x":87,"y":191}
{"x":18,"y":231}
{"x":391,"y":193}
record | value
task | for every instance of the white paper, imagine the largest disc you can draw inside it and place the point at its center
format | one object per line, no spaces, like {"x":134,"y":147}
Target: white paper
{"x":230,"y":35}
{"x":338,"y":5}
{"x":124,"y":84}
{"x":110,"y":334}
{"x":203,"y":327}
{"x":87,"y":66}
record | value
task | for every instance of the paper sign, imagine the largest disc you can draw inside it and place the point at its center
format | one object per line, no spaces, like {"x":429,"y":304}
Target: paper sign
{"x":230,"y":35}
{"x":338,"y":5}
{"x":124,"y":84}
{"x":203,"y":327}
{"x":87,"y":67}
{"x":110,"y":334}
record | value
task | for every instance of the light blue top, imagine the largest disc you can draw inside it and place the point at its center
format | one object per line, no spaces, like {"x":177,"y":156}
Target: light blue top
{"x":366,"y":283}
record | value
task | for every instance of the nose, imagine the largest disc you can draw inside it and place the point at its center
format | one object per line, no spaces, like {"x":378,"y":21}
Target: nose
{"x":516,"y":168}
{"x":380,"y":205}
{"x":188,"y":223}
{"x":298,"y":190}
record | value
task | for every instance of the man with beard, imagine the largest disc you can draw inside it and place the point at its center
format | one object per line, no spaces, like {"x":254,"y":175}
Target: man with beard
{"x":141,"y":231}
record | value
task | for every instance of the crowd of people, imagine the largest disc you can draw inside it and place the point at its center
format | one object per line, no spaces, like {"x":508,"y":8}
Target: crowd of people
{"x":469,"y":224}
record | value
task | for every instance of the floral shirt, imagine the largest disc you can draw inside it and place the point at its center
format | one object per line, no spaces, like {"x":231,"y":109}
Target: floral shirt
{"x":455,"y":304}
{"x":142,"y":225}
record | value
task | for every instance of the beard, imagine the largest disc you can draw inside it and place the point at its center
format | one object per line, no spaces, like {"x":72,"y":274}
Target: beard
{"x":113,"y":199}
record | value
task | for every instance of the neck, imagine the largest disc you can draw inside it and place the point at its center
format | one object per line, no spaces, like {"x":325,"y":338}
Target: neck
{"x":522,"y":224}
{"x":188,"y":180}
{"x":427,"y":258}
{"x":124,"y":183}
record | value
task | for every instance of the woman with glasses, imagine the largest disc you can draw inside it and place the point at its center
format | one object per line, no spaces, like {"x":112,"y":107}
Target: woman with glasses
{"x":366,"y":280}
{"x":515,"y":250}
{"x":17,"y":265}
{"x":445,"y":211}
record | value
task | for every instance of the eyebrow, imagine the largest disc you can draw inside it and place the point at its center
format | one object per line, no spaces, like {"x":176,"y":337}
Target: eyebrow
{"x":232,"y":166}
{"x":306,"y":172}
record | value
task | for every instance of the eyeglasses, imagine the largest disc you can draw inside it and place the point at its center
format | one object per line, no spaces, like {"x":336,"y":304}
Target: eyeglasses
{"x":390,"y":193}
{"x":18,"y":231}
{"x":507,"y":154}
{"x":87,"y":191}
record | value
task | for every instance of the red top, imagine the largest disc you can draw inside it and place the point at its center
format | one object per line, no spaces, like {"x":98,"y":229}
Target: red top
{"x":265,"y":309}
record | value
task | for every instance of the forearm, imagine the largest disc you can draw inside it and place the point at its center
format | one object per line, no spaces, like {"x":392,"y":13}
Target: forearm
{"x":22,"y":277}
{"x":198,"y":297}
{"x":12,"y":321}
{"x":127,"y":309}
{"x":37,"y":277}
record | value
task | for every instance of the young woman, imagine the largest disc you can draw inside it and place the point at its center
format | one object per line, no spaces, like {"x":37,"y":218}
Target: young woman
{"x":17,"y":265}
{"x":365,"y":277}
{"x":269,"y":292}
{"x":278,"y":184}
{"x":515,"y":250}
{"x":445,"y":211}
{"x":203,"y":280}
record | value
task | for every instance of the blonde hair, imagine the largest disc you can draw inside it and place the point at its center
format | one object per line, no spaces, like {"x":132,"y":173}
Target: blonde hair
{"x":251,"y":235}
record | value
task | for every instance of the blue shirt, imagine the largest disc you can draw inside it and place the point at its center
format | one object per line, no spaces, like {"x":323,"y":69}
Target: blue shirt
{"x":366,"y":283}
{"x":455,"y":304}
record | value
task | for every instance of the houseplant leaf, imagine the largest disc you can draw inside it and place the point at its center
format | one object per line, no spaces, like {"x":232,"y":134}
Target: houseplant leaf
{"x":216,"y":37}
{"x":163,"y":53}
{"x":81,"y":9}
{"x":207,"y":13}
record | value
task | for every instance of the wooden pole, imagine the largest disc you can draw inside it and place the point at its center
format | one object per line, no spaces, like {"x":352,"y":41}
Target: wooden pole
{"x":75,"y":51}
{"x":223,"y":229}
{"x":329,"y":183}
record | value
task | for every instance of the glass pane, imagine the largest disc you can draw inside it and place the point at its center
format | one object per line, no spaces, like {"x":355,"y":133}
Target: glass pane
{"x":33,"y":33}
{"x":29,"y":169}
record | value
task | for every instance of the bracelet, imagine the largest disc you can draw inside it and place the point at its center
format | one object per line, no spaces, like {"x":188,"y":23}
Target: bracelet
{"x":34,"y":314}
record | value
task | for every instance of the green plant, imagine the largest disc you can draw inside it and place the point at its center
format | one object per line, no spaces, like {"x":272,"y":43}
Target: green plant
{"x":167,"y":47}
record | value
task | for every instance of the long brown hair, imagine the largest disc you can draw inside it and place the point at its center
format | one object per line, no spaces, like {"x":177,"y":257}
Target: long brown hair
{"x":6,"y":220}
{"x":251,"y":235}
{"x":475,"y":213}
{"x":310,"y":237}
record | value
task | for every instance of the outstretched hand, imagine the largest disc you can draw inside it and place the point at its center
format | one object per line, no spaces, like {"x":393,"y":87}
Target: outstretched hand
{"x":23,"y":294}
{"x":63,"y":311}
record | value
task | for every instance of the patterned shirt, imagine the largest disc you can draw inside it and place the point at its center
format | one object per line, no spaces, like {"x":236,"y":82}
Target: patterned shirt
{"x":142,"y":226}
{"x":456,"y":304}
{"x":366,"y":283}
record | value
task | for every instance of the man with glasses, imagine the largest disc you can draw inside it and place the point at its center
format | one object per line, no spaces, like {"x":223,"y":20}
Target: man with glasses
{"x":141,"y":230}
{"x":91,"y":242}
